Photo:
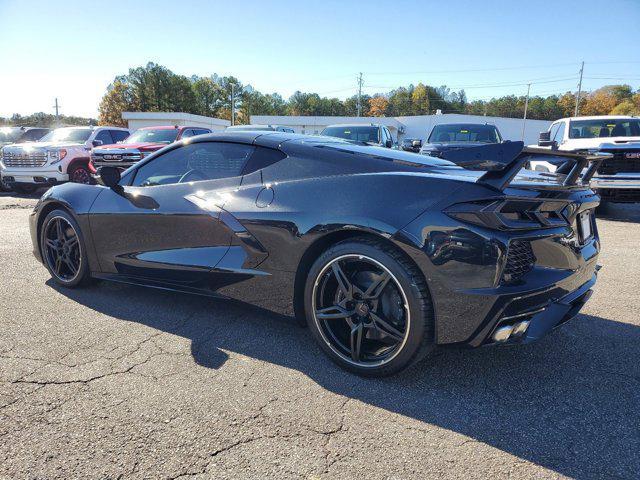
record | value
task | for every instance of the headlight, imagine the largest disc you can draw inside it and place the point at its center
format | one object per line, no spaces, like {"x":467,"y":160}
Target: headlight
{"x":56,"y":155}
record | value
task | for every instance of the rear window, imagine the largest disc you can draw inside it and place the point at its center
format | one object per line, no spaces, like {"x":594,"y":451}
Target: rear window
{"x":464,"y":133}
{"x":356,"y":133}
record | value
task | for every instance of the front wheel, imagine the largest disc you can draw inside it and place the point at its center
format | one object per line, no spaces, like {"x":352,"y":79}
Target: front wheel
{"x":63,"y":249}
{"x":369,"y":308}
{"x":80,"y":174}
{"x":4,"y":186}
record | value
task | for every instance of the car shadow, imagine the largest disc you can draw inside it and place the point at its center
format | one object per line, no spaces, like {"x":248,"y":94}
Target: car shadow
{"x":569,"y":403}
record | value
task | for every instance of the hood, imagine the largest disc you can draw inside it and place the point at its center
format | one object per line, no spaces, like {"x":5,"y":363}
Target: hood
{"x":443,"y":147}
{"x":450,"y":145}
{"x":147,"y":146}
{"x":586,"y":143}
{"x":41,"y":145}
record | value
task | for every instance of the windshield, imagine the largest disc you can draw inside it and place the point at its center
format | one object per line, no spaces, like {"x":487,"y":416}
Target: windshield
{"x":9,"y":134}
{"x":464,"y":133}
{"x":75,"y":135}
{"x":160,"y":135}
{"x":605,"y":127}
{"x":358,"y":134}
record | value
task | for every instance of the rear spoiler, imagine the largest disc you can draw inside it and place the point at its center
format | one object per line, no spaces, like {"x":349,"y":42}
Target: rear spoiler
{"x":503,"y":161}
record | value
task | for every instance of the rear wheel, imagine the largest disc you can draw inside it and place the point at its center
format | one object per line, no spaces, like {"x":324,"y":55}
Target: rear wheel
{"x":80,"y":174}
{"x":369,"y":308}
{"x":63,"y":249}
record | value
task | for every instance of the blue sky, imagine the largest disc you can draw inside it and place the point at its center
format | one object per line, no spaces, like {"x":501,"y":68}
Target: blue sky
{"x":73,"y":49}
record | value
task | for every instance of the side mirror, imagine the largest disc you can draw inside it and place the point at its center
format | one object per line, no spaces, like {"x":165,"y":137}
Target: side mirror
{"x":416,"y":144}
{"x":388,"y":143}
{"x":109,"y":176}
{"x":545,"y":140}
{"x":97,"y":143}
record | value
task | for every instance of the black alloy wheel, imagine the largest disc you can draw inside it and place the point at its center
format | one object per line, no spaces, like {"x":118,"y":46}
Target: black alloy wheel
{"x":63,"y":249}
{"x":361,"y":307}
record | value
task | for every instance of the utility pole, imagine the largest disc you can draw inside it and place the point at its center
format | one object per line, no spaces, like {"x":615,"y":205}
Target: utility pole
{"x":57,"y":107}
{"x":579,"y":90}
{"x":360,"y":94}
{"x":233,"y":104}
{"x":526,"y":106}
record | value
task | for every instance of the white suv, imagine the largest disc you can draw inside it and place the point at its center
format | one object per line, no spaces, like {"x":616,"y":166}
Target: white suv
{"x":61,"y":155}
{"x":618,"y":177}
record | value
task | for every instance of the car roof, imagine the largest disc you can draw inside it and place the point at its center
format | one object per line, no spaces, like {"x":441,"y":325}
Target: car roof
{"x":354,"y":125}
{"x":468,"y":124}
{"x":602,"y":117}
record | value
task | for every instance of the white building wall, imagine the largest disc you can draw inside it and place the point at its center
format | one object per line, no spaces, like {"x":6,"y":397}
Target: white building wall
{"x":411,"y":127}
{"x":136,"y":120}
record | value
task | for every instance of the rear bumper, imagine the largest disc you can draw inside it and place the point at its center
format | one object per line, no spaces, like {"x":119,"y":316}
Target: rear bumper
{"x":464,"y":266}
{"x":529,"y":327}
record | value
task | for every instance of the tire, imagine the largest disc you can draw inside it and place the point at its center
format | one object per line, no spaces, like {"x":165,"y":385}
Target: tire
{"x":74,"y":253}
{"x":25,"y":189}
{"x":397,"y":327}
{"x":4,"y":186}
{"x":80,"y":174}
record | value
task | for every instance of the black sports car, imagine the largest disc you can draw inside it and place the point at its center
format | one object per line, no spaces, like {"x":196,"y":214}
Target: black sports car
{"x":384,"y":254}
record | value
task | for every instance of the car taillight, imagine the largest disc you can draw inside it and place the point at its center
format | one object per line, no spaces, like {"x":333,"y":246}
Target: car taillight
{"x":511,"y":213}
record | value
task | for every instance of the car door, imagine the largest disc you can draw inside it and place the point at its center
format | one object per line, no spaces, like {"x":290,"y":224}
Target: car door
{"x":157,"y":225}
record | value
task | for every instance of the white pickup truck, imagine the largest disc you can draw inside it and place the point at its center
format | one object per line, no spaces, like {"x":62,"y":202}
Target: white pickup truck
{"x":60,"y":156}
{"x":618,"y":177}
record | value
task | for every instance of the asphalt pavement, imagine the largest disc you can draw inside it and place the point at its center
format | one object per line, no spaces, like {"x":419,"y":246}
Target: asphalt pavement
{"x":115,"y":381}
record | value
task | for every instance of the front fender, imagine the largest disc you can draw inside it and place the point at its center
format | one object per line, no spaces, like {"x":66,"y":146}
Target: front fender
{"x":77,"y":200}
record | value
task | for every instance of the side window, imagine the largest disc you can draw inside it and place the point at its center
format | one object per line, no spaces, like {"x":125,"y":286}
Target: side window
{"x":119,"y":135}
{"x":553,"y":130}
{"x":187,"y":133}
{"x":560,"y":133}
{"x":105,"y":137}
{"x":201,"y":131}
{"x":195,"y":162}
{"x":262,"y":157}
{"x":388,"y":134}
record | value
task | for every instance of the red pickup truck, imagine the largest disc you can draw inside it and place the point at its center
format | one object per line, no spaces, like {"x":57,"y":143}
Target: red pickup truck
{"x":140,"y":144}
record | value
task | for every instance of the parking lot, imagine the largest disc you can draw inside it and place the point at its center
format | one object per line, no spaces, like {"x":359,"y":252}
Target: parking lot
{"x":115,"y":381}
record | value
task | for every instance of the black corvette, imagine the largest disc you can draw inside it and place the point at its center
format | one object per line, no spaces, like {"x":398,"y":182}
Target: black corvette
{"x":384,"y":254}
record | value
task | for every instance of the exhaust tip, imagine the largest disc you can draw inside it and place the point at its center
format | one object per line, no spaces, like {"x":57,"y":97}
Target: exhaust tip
{"x":510,"y":332}
{"x":502,"y":334}
{"x":520,"y":328}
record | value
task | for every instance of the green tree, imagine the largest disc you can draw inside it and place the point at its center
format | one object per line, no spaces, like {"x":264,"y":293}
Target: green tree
{"x":420,"y":100}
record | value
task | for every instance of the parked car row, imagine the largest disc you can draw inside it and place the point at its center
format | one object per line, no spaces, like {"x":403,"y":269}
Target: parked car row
{"x":31,"y":160}
{"x":617,"y":178}
{"x":33,"y":157}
